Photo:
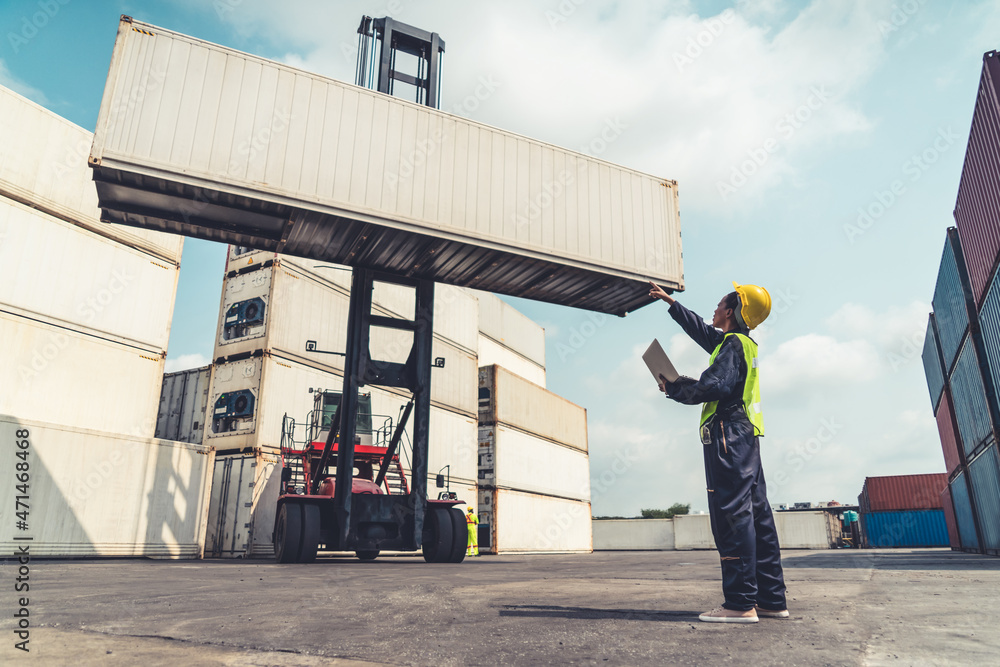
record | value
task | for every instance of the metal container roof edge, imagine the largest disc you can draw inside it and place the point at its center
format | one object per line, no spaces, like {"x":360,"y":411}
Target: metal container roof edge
{"x":290,"y":68}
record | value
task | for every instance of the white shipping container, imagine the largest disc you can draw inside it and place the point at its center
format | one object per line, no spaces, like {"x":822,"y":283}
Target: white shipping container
{"x":796,"y":530}
{"x":106,"y":494}
{"x":493,"y":353}
{"x":280,"y":308}
{"x":634,"y":535}
{"x":502,"y":323}
{"x":693,"y":531}
{"x":507,"y":398}
{"x":169,"y":156}
{"x":184,"y":405}
{"x":514,"y":521}
{"x":456,"y":310}
{"x":280,"y":386}
{"x":68,"y":276}
{"x":512,"y":459}
{"x":43,"y":163}
{"x":61,"y":376}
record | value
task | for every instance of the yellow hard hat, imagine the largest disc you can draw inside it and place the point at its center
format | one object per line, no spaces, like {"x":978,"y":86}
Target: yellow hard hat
{"x":755,"y":305}
{"x":470,"y":509}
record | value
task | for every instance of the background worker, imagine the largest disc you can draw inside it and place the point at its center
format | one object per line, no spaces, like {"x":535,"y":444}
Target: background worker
{"x":731,"y":422}
{"x":473,"y":524}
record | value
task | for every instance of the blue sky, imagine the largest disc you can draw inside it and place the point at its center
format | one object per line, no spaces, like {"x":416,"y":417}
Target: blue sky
{"x":781,"y":121}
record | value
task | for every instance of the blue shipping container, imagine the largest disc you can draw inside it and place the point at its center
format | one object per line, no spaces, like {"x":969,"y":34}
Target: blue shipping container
{"x":969,"y":398}
{"x":963,"y":513}
{"x":984,"y":476}
{"x":909,"y":529}
{"x":989,"y":324}
{"x":932,"y":364}
{"x":951,"y":313}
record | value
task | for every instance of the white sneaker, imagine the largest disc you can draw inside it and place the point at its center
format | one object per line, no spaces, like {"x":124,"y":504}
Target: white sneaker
{"x":723,"y":615}
{"x":771,"y":613}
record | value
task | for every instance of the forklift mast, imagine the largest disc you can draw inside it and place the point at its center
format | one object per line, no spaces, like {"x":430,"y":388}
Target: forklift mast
{"x":380,"y":41}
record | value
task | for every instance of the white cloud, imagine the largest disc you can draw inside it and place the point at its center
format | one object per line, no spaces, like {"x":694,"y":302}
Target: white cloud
{"x":889,"y":329}
{"x":815,"y":359}
{"x":8,"y":80}
{"x":185,"y":362}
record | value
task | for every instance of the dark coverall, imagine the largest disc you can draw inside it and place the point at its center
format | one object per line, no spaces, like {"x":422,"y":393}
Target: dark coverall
{"x":742,"y":522}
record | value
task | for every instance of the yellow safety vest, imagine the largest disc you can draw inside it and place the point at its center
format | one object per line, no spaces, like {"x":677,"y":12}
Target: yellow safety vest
{"x":751,"y":388}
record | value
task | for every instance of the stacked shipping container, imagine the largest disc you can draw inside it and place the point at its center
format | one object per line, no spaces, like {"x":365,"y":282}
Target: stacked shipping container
{"x":272,"y":306}
{"x":965,"y":328}
{"x":85,"y":312}
{"x":903,"y":511}
{"x":534,"y":469}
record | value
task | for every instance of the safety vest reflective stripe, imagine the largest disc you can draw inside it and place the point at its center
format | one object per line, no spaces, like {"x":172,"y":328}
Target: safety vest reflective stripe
{"x":751,"y":388}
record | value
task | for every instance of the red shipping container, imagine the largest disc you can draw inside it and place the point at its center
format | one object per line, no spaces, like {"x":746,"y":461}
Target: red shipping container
{"x":977,"y":211}
{"x":902,"y":492}
{"x":949,"y":520}
{"x":949,"y":435}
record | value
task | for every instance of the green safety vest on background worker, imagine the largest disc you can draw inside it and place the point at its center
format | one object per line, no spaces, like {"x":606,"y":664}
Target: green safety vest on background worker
{"x":473,"y":524}
{"x":751,"y":389}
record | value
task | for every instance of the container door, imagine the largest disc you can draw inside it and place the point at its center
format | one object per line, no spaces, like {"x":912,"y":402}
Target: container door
{"x":230,"y":507}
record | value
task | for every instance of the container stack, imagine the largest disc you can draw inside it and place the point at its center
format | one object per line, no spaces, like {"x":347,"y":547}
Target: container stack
{"x":903,"y":511}
{"x":962,"y":349}
{"x":534,"y":470}
{"x":85,"y":313}
{"x":272,"y":307}
{"x":508,"y":338}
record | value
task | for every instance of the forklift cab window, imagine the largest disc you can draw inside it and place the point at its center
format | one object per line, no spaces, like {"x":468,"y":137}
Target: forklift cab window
{"x":332,"y":399}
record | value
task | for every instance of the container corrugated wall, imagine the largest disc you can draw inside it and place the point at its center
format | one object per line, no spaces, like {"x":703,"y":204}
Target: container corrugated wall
{"x":984,"y":476}
{"x":989,"y":326}
{"x":903,"y":492}
{"x":906,"y":529}
{"x":950,"y":441}
{"x":963,"y":513}
{"x":184,"y":405}
{"x":933,"y":369}
{"x":951,"y":315}
{"x":977,"y":210}
{"x":949,"y":519}
{"x":969,"y":397}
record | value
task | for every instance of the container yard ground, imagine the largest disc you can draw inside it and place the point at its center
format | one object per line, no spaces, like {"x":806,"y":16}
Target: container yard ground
{"x":637,"y":608}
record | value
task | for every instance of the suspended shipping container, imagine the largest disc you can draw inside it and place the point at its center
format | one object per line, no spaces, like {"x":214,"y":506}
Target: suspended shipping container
{"x":984,"y":478}
{"x":184,"y":405}
{"x":933,"y":369}
{"x":54,"y":374}
{"x":327,"y":185}
{"x":969,"y":400}
{"x":905,"y":529}
{"x":949,"y":520}
{"x":513,"y":459}
{"x":964,"y":516}
{"x":977,"y":210}
{"x":506,"y":398}
{"x":67,"y":276}
{"x":902,"y":492}
{"x":43,"y":164}
{"x":95,"y":493}
{"x":515,"y":521}
{"x":950,"y":444}
{"x":951,"y":316}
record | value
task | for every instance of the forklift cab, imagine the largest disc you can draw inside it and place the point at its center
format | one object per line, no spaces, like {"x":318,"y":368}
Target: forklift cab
{"x":325,"y":404}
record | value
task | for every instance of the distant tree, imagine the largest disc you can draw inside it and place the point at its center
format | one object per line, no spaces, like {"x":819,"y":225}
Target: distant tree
{"x":674,"y":510}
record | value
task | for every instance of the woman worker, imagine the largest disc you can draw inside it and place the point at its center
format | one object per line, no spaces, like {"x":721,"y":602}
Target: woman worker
{"x":731,"y":421}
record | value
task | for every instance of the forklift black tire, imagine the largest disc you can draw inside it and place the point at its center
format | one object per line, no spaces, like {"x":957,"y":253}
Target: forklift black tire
{"x":288,"y":533}
{"x":437,"y":535}
{"x":459,"y":529}
{"x":367,"y":554}
{"x":310,"y":533}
